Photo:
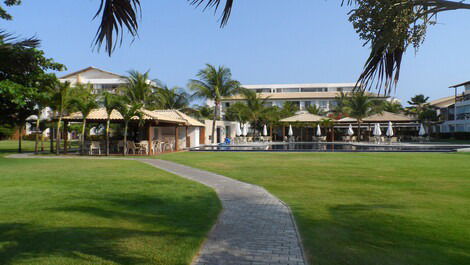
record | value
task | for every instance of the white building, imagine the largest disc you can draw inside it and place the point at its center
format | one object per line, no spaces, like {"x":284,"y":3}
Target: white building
{"x":457,"y":115}
{"x":321,"y":94}
{"x":101,"y":80}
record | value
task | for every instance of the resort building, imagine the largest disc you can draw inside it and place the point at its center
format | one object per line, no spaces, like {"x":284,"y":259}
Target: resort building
{"x":303,"y":95}
{"x":454,"y":111}
{"x":101,"y":80}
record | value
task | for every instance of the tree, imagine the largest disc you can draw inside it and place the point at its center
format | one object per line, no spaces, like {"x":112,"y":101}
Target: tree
{"x":289,"y":109}
{"x":360,"y":105}
{"x":214,"y":84}
{"x":420,"y":108}
{"x":110,"y":103}
{"x":314,"y":109}
{"x":84,"y":100}
{"x":237,"y":112}
{"x":341,"y":103}
{"x":392,"y":106}
{"x":140,"y":90}
{"x":256,"y":108}
{"x":128,"y":110}
{"x":60,"y":103}
{"x":173,"y":98}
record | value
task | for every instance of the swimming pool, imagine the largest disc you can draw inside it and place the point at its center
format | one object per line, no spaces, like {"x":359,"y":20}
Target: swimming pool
{"x":331,"y":147}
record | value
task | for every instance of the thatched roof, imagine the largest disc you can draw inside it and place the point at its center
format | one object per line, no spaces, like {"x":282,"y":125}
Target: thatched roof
{"x":385,"y":116}
{"x":303,"y":117}
{"x":170,"y":116}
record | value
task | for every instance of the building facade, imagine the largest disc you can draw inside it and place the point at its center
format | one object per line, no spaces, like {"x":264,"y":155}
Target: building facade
{"x":323,"y":95}
{"x":455,"y":110}
{"x":101,"y":80}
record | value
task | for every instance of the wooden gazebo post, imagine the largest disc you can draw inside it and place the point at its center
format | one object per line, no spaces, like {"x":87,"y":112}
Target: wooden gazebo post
{"x":150,"y":138}
{"x":65,"y":134}
{"x":188,"y":140}
{"x":176,"y":138}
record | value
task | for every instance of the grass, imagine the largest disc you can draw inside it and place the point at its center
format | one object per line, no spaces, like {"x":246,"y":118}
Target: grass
{"x":363,"y":208}
{"x":70,"y":211}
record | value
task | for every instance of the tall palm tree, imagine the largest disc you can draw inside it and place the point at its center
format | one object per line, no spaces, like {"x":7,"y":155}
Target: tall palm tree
{"x":214,"y":84}
{"x":109,"y":102}
{"x":341,"y":103}
{"x":173,"y":98}
{"x":288,"y":109}
{"x":140,"y":90}
{"x":202,"y":112}
{"x":392,"y":106}
{"x":84,"y":101}
{"x":128,"y":111}
{"x":60,"y":103}
{"x":256,"y":108}
{"x":359,"y":106}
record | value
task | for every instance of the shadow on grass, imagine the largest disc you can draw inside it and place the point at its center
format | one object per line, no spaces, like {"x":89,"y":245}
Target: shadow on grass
{"x":378,"y":234}
{"x":152,"y":216}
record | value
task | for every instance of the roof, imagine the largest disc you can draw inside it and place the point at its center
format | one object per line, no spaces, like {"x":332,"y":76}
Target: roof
{"x":308,"y":85}
{"x":385,"y":116}
{"x":443,"y":102}
{"x":461,"y":84}
{"x":303,"y":117}
{"x":171,"y":116}
{"x":297,"y":95}
{"x":88,"y":69}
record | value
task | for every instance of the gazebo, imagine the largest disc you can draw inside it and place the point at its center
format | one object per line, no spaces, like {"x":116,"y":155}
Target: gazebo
{"x":155,"y":125}
{"x":304,"y":132}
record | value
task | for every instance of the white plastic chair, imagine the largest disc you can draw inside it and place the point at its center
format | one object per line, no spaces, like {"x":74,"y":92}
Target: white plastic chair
{"x":94,"y":145}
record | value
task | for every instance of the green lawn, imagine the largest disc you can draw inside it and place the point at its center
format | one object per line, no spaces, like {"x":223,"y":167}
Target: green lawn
{"x":363,"y":208}
{"x":69,"y":211}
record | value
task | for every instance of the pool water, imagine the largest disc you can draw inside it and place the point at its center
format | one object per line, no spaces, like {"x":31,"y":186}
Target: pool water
{"x":332,"y":147}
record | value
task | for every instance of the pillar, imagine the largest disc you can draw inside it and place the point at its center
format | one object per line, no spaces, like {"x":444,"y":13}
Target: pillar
{"x":65,"y":134}
{"x":150,"y":138}
{"x":176,"y":138}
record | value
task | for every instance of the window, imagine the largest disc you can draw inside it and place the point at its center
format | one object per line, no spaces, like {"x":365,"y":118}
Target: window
{"x":314,"y":89}
{"x":263,"y":90}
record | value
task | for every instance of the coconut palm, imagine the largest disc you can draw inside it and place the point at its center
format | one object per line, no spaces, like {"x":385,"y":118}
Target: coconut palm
{"x":203,"y":112}
{"x":140,"y":90}
{"x":84,"y":101}
{"x":256,"y":108}
{"x":392,"y":106}
{"x":109,"y":102}
{"x":289,"y":109}
{"x":214,"y":84}
{"x":173,"y":98}
{"x":128,"y":111}
{"x":314,"y":109}
{"x":341,"y":103}
{"x":359,"y":106}
{"x":60,"y":103}
{"x":237,"y":112}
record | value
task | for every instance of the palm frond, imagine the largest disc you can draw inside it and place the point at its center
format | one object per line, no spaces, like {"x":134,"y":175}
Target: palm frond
{"x":8,"y":40}
{"x":215,"y":4}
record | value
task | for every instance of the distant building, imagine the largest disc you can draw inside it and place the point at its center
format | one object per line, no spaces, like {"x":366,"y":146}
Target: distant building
{"x":303,"y":95}
{"x":454,"y":111}
{"x":101,"y":80}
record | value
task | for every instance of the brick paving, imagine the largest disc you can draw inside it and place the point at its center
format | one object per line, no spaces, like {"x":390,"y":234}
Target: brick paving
{"x":254,"y":228}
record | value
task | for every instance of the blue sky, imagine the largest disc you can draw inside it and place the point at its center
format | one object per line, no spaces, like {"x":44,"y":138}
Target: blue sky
{"x":301,"y":41}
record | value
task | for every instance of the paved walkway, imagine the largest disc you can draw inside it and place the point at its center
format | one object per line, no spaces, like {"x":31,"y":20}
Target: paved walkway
{"x":254,"y":228}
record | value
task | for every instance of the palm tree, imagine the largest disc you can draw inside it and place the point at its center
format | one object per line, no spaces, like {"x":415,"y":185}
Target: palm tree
{"x":289,"y":109}
{"x":360,"y":105}
{"x":139,"y":89}
{"x":214,"y":84}
{"x":128,"y":111}
{"x":392,"y":106}
{"x":110,"y":103}
{"x":255,"y":108}
{"x":84,"y":101}
{"x":341,"y":103}
{"x":314,"y":109}
{"x":237,"y":112}
{"x":173,"y":98}
{"x":328,"y":123}
{"x":60,"y":103}
{"x":203,"y":112}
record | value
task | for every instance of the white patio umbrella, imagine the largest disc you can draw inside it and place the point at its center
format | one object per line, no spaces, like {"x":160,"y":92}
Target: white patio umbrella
{"x":318,"y":130}
{"x":290,"y":133}
{"x":377,"y":131}
{"x":265,"y":130}
{"x":245,"y":130}
{"x":350,"y":130}
{"x":389,"y":132}
{"x":422,"y":131}
{"x":239,"y":129}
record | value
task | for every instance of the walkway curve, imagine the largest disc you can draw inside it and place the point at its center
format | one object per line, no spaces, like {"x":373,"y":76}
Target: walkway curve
{"x":254,"y":228}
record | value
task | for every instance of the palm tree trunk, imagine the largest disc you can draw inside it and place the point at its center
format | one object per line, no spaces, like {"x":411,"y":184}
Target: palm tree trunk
{"x":82,"y":140}
{"x":36,"y":140}
{"x":358,"y":130}
{"x":57,"y":144}
{"x":107,"y":136}
{"x":125,"y":137}
{"x":20,"y":134}
{"x":216,"y":107}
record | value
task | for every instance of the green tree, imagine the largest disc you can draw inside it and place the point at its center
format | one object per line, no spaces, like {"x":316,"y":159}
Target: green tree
{"x":110,"y":103}
{"x":360,"y":105}
{"x":289,"y":109}
{"x":314,"y":109}
{"x":128,"y":110}
{"x":392,"y":106}
{"x":84,"y":100}
{"x":60,"y":103}
{"x":420,"y":108}
{"x":202,"y":112}
{"x":214,"y":84}
{"x":237,"y":112}
{"x":140,"y":90}
{"x":173,"y":98}
{"x":341,"y":103}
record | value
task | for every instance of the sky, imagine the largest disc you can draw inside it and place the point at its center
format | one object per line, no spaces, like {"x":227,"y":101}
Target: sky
{"x":265,"y":42}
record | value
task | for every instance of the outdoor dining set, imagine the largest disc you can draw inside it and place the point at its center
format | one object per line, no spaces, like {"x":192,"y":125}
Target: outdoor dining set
{"x":139,"y":147}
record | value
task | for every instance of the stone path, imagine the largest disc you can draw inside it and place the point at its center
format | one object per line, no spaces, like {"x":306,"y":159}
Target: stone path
{"x":254,"y":228}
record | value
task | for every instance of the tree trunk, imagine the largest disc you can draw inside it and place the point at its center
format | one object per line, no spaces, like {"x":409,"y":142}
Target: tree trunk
{"x":36,"y":140}
{"x":57,"y":144}
{"x":358,"y":131}
{"x":216,"y":107}
{"x":107,"y":136}
{"x":125,"y":137}
{"x":82,"y":140}
{"x":20,"y":134}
